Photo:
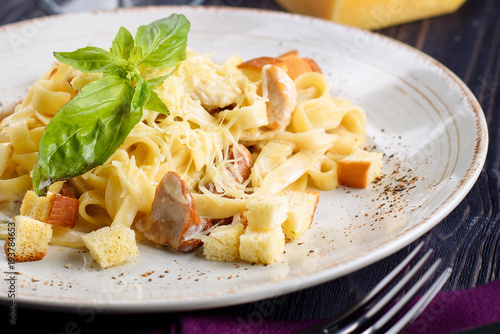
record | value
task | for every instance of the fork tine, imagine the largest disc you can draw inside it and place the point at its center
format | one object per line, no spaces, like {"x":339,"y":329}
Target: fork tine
{"x":399,"y":287}
{"x":351,"y":312}
{"x":362,"y":304}
{"x":391,"y":276}
{"x":419,"y":306}
{"x":369,"y":317}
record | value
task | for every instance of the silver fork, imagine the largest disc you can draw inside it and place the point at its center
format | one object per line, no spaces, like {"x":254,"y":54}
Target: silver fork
{"x":374,"y":313}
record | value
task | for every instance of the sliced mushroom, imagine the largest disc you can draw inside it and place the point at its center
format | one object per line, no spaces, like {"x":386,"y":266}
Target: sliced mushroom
{"x":240,"y":171}
{"x":215,"y":110}
{"x":67,"y":191}
{"x":280,"y":90}
{"x":243,"y":162}
{"x":173,"y":219}
{"x":241,"y":167}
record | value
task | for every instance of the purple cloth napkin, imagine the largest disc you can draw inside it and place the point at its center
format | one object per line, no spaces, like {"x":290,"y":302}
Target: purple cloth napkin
{"x":450,"y":311}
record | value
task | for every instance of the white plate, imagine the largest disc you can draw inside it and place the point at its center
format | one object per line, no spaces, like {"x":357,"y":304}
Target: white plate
{"x":426,"y":121}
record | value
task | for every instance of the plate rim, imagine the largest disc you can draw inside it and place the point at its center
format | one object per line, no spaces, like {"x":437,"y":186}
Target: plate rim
{"x":384,"y":250}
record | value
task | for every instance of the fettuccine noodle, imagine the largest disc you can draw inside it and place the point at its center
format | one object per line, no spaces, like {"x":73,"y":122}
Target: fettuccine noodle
{"x":193,"y":141}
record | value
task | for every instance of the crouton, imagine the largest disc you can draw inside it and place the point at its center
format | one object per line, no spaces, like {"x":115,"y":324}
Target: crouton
{"x":223,"y":243}
{"x":297,"y":65}
{"x":37,"y":207}
{"x":301,"y":208}
{"x":53,"y":208}
{"x":111,"y":246}
{"x":262,"y":247}
{"x":313,"y":64}
{"x":252,"y":68}
{"x":30,"y":241}
{"x":359,"y":169}
{"x":64,"y":211}
{"x":290,"y":62}
{"x":243,"y":217}
{"x":266,"y":212}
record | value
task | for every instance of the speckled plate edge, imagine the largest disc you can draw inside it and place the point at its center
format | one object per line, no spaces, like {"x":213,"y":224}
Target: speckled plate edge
{"x":379,"y":251}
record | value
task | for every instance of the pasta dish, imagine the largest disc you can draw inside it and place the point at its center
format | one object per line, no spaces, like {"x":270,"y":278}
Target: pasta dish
{"x":237,"y":135}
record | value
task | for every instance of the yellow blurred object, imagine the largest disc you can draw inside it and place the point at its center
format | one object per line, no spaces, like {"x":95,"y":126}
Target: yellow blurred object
{"x":371,"y":14}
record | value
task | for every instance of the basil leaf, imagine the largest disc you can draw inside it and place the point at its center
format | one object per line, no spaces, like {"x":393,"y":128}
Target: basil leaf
{"x":156,"y":104}
{"x":152,"y":83}
{"x":141,"y":94}
{"x":163,"y":43}
{"x":91,"y":59}
{"x":122,"y":44}
{"x":134,"y":55}
{"x":85,"y":132}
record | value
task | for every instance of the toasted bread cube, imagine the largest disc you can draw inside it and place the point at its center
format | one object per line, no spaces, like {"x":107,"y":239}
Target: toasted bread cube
{"x":313,"y":64}
{"x":111,"y":245}
{"x":53,"y":209}
{"x":301,"y":208}
{"x":252,"y":68}
{"x":37,"y":207}
{"x":30,"y":241}
{"x":243,"y":216}
{"x":262,"y":247}
{"x":266,"y":212}
{"x":223,"y":243}
{"x":359,"y":169}
{"x":295,"y":64}
{"x":64,"y":211}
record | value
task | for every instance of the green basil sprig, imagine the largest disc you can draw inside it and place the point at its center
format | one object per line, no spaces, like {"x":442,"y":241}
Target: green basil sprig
{"x":86,"y":131}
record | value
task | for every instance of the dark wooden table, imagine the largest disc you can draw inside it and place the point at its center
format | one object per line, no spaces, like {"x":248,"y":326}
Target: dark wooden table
{"x":468,"y":43}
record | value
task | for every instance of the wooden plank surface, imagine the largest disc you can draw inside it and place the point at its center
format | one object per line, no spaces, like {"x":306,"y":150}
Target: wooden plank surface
{"x":467,"y":42}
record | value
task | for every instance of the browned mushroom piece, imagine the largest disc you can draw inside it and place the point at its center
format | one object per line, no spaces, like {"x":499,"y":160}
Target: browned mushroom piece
{"x":67,"y":191}
{"x":239,"y":169}
{"x":173,"y":219}
{"x":279,"y":88}
{"x":243,"y":161}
